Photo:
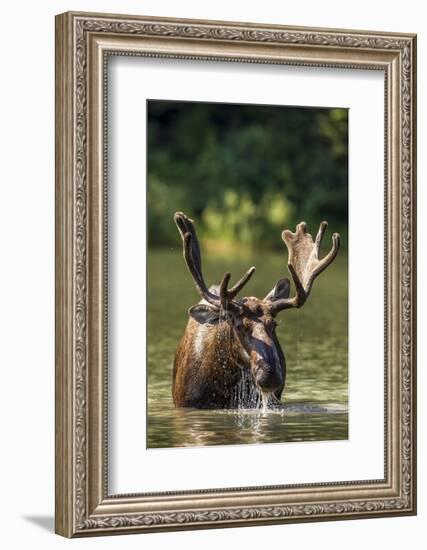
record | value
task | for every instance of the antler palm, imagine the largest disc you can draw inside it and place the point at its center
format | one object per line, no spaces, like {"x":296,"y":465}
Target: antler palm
{"x":303,"y":262}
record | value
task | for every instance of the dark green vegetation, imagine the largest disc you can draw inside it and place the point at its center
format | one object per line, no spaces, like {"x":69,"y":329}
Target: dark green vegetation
{"x":245,"y":172}
{"x":314,"y":339}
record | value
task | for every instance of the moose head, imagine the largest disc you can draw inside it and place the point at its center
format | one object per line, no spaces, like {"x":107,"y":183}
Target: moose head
{"x":229,"y":355}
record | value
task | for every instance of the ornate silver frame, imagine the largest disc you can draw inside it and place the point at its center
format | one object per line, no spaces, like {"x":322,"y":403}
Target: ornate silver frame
{"x":83,"y":42}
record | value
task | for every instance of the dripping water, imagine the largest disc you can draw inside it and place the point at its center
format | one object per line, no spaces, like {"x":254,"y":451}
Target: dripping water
{"x":265,"y":397}
{"x":246,"y":395}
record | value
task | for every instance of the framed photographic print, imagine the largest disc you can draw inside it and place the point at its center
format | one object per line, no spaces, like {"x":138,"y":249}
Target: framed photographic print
{"x":235,"y":274}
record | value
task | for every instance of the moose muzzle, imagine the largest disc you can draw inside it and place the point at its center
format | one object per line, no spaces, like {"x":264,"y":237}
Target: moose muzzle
{"x":266,"y":370}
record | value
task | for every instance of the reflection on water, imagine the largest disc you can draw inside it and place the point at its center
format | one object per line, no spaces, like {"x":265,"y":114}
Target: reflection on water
{"x":314,"y":340}
{"x":188,"y":427}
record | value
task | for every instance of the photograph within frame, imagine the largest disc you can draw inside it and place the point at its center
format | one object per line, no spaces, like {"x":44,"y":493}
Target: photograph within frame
{"x":245,"y":173}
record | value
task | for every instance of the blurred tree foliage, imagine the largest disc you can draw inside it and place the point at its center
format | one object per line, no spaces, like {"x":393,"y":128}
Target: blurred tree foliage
{"x":244,"y":172}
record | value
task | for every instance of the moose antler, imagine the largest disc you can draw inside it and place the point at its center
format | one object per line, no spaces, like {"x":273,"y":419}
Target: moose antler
{"x":303,"y":263}
{"x":191,"y":249}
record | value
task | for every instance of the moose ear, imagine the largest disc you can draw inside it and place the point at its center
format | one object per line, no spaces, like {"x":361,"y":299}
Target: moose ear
{"x":204,"y":314}
{"x":281,"y":290}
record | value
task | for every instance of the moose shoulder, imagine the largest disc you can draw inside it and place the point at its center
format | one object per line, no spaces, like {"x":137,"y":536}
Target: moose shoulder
{"x":229,"y":355}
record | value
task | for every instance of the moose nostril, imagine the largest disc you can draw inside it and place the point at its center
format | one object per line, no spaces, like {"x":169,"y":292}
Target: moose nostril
{"x":267,"y":377}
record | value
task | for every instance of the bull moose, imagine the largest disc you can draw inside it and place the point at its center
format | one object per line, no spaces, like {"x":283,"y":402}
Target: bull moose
{"x":229,"y":355}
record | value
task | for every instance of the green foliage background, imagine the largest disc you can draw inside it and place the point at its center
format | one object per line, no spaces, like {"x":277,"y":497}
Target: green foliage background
{"x":245,"y":172}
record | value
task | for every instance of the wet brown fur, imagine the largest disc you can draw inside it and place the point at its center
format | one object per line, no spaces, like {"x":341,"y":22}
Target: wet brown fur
{"x":205,"y":380}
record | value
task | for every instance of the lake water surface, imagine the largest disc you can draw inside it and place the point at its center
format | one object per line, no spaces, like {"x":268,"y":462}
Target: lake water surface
{"x":314,"y":339}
